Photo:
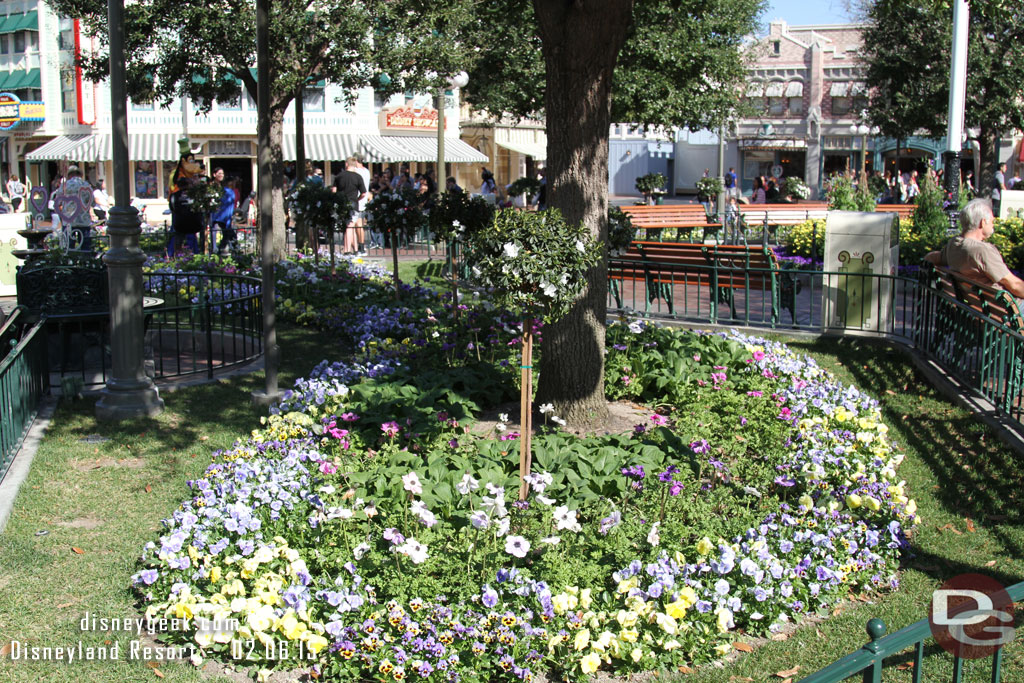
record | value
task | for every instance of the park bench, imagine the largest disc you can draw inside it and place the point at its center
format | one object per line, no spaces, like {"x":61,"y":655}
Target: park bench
{"x":983,"y":349}
{"x":650,"y":221}
{"x":903,"y":210}
{"x":770,"y":217}
{"x":721,"y":269}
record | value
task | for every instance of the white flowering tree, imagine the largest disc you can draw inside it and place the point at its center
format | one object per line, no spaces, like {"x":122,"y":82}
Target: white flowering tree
{"x":536,"y":264}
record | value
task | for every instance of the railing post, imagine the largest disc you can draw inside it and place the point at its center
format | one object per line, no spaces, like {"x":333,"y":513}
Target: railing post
{"x":875,"y":629}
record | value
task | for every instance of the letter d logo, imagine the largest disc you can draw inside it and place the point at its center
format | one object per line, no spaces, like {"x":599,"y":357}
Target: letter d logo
{"x":971,"y":616}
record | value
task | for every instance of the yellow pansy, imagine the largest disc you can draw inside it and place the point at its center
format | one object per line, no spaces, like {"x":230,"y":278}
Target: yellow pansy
{"x":872,"y":503}
{"x":589,"y":664}
{"x":667,"y":623}
{"x":316,"y":642}
{"x":582,"y":639}
{"x":215,"y":574}
{"x":626,"y":618}
{"x":705,"y":546}
{"x":629,"y":635}
{"x":636,"y":654}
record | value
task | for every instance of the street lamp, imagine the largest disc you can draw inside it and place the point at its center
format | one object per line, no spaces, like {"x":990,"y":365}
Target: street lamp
{"x":862,"y":129}
{"x":459,"y":80}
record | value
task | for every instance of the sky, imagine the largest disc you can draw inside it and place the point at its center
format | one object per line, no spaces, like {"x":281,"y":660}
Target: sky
{"x":800,"y":12}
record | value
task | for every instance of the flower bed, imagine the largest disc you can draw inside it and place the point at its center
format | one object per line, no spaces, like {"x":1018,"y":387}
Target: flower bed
{"x":365,"y":532}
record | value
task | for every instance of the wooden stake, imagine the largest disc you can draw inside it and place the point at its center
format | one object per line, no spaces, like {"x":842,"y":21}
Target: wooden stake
{"x":394,"y":259}
{"x":526,"y":408}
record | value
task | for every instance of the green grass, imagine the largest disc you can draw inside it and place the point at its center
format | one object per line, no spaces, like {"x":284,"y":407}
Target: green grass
{"x":93,"y":496}
{"x":107,"y":499}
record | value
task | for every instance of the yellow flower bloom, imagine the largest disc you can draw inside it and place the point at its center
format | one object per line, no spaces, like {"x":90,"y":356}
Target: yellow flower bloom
{"x":854,"y":501}
{"x":872,"y":503}
{"x":215,"y":574}
{"x":636,"y":654}
{"x":629,"y":635}
{"x":626,"y":618}
{"x":316,"y":642}
{"x":589,"y":664}
{"x":582,"y":639}
{"x":667,"y":623}
{"x":705,"y":546}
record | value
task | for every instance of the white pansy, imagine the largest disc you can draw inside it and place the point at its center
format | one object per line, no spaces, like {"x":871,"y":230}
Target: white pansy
{"x":467,"y":484}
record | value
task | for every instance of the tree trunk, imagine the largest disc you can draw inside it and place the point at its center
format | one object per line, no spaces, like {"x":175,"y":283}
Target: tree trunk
{"x":581,"y":42}
{"x":277,"y":157}
{"x":987,"y":152}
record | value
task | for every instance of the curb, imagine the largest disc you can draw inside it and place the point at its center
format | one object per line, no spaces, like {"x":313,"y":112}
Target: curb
{"x":16,"y":475}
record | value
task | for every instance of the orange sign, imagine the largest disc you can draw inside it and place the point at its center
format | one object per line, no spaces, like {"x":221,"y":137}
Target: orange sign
{"x":408,"y":118}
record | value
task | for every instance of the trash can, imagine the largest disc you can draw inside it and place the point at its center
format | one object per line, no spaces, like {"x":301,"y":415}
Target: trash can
{"x":861,"y":256}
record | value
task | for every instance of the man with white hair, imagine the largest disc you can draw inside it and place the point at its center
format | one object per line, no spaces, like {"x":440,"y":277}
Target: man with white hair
{"x":971,"y":256}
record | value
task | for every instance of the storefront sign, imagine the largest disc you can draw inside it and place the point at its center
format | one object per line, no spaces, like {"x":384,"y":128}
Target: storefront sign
{"x":10,"y":111}
{"x":85,"y":91}
{"x":13,"y":111}
{"x":409,"y":118}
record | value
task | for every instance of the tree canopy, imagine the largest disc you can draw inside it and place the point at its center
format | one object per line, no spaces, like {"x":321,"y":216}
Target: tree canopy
{"x":681,"y":62}
{"x":906,"y":53}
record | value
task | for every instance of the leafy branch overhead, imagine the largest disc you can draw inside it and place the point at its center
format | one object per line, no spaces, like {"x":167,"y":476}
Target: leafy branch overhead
{"x":681,"y":63}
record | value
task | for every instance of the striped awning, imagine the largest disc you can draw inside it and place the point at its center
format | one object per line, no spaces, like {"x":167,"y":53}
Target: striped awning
{"x":61,"y":147}
{"x":858,"y":89}
{"x":425,"y":149}
{"x":383,"y":149}
{"x":141,"y":147}
{"x":795,"y":89}
{"x":755,"y":89}
{"x":530,"y":149}
{"x":322,"y":146}
{"x":774,"y":89}
{"x":29,"y":21}
{"x":839,"y":89}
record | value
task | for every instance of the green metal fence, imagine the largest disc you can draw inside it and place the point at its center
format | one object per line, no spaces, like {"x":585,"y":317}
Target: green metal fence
{"x":907,"y":644}
{"x":23,"y":382}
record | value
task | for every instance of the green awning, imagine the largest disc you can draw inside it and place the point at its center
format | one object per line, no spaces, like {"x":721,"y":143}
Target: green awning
{"x":20,"y":22}
{"x":28,"y":79}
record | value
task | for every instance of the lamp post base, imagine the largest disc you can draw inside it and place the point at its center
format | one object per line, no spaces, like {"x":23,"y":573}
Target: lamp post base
{"x":138,"y":399}
{"x":261,"y":399}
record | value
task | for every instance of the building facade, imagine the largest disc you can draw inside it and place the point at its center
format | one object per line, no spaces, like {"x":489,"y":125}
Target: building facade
{"x":806,"y":85}
{"x":73,"y":124}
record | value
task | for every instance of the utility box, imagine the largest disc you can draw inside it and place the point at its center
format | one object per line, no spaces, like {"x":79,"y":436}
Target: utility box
{"x":862,"y":251}
{"x":10,"y":240}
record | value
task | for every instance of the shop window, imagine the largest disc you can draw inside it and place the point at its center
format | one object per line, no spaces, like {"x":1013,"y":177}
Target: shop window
{"x":840,"y":106}
{"x":146,"y":179}
{"x":4,"y":45}
{"x":19,"y":41}
{"x":757,"y":104}
{"x":67,"y":90}
{"x":313,"y":99}
{"x":776,"y":106}
{"x":796,"y":106}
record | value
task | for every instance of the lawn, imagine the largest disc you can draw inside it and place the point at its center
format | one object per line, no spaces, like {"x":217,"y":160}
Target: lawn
{"x":99,"y":500}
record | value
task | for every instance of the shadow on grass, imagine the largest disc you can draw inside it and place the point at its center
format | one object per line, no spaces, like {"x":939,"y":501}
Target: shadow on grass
{"x":977,"y":476}
{"x":222,"y":408}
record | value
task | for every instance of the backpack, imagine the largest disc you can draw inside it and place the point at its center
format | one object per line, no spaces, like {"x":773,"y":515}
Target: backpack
{"x":187,"y":220}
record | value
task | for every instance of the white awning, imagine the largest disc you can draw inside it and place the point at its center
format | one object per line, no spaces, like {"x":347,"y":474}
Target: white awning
{"x":839,"y":89}
{"x":530,"y":149}
{"x":774,"y":89}
{"x":857,"y":89}
{"x":141,"y":147}
{"x":322,"y":146}
{"x":772,"y":143}
{"x":755,"y":89}
{"x":59,"y":148}
{"x":384,"y":149}
{"x":425,"y":149}
{"x":795,"y":89}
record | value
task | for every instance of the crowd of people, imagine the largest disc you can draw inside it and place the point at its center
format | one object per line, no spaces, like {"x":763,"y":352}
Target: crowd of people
{"x":360,"y":187}
{"x":190,"y":224}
